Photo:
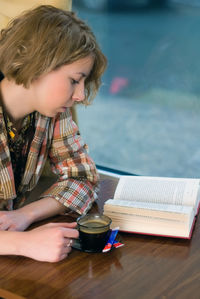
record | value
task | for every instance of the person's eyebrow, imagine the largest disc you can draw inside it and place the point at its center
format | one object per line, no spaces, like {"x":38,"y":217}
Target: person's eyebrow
{"x":82,"y":74}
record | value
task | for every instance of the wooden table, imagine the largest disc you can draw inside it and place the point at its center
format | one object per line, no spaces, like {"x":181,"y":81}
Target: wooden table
{"x":146,"y":267}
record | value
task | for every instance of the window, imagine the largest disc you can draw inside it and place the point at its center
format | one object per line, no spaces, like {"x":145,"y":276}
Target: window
{"x":146,"y":117}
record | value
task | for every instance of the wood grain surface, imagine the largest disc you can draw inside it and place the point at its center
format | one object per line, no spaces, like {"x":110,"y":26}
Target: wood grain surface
{"x":146,"y":267}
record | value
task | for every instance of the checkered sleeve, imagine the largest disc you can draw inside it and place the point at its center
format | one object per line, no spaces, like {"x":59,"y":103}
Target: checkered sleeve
{"x":77,"y":184}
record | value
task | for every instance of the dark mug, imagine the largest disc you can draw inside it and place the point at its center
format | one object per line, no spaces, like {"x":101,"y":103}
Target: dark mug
{"x":94,"y":231}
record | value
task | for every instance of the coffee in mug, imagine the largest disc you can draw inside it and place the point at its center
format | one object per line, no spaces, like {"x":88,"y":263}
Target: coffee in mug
{"x":94,"y":231}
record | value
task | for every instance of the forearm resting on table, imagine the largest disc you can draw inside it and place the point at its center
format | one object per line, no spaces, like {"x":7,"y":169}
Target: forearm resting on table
{"x":10,"y":242}
{"x":42,"y":209}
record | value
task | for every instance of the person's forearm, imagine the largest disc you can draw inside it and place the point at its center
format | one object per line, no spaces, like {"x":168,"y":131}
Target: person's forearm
{"x":42,"y":209}
{"x":20,"y":219}
{"x":10,"y":242}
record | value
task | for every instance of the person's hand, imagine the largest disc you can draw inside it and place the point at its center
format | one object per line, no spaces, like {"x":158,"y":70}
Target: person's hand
{"x":15,"y":220}
{"x":51,"y":242}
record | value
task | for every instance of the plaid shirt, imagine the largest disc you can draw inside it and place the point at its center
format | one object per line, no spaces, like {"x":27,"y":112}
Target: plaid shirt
{"x":59,"y":140}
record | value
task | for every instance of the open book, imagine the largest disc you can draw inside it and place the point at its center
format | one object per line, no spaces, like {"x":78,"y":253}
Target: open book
{"x":155,"y":205}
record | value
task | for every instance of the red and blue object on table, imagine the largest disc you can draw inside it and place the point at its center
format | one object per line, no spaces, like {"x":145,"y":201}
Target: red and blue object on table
{"x":111,"y":241}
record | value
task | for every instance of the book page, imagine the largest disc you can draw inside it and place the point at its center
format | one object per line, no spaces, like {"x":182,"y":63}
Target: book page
{"x":150,"y":210}
{"x":176,"y":191}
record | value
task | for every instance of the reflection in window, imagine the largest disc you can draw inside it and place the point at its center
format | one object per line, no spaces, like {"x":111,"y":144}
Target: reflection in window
{"x":146,"y":118}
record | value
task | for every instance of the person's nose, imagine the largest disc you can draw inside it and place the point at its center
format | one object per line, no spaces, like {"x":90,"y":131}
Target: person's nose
{"x":79,"y":93}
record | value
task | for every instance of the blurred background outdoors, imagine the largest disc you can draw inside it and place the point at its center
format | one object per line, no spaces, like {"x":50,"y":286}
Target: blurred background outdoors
{"x":146,"y":117}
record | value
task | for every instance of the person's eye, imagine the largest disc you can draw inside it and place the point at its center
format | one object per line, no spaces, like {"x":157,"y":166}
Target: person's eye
{"x":74,"y":81}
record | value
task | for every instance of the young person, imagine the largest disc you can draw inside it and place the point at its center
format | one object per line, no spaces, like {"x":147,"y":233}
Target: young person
{"x":49,"y":60}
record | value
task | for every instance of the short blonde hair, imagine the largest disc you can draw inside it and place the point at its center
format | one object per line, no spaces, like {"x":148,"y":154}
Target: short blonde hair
{"x":42,"y":40}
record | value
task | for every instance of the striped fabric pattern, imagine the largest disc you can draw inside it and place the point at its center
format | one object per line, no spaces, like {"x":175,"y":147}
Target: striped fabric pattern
{"x":59,"y":140}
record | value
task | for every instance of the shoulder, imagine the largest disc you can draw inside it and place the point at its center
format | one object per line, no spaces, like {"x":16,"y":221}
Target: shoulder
{"x":65,"y":118}
{"x":61,"y":125}
{"x":64,"y":125}
{"x":67,"y":115}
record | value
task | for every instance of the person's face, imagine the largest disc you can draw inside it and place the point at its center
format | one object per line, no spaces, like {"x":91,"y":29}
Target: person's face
{"x":59,"y":89}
